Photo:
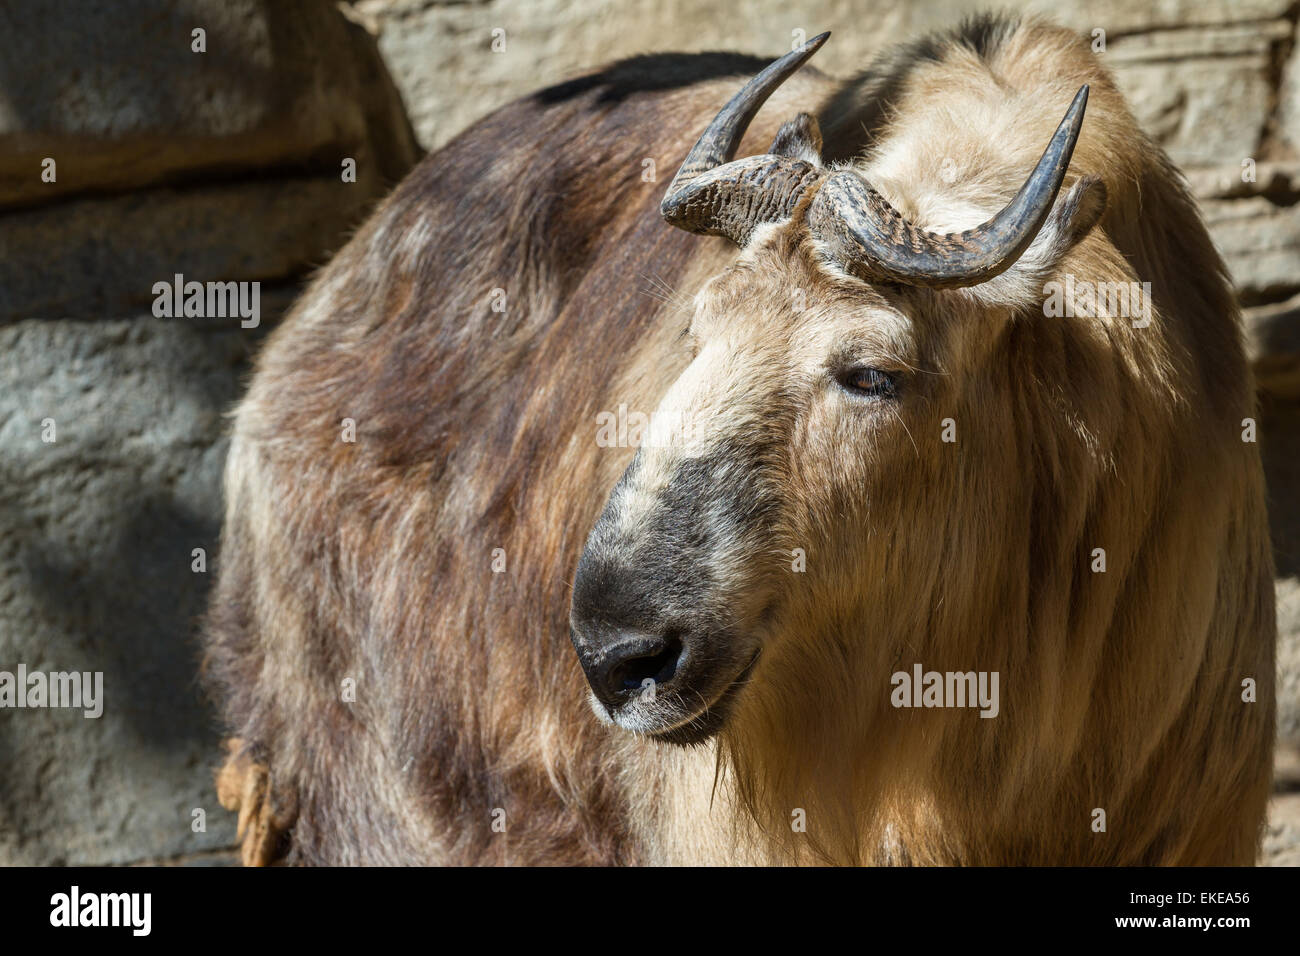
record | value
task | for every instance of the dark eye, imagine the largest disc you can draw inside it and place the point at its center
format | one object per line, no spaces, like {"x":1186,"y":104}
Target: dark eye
{"x":870,"y":381}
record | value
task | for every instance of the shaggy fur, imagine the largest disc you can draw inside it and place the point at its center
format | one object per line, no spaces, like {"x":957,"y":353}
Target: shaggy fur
{"x":475,"y":430}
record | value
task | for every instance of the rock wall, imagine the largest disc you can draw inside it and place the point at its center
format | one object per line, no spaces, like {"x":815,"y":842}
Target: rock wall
{"x":228,"y":164}
{"x":221,"y":165}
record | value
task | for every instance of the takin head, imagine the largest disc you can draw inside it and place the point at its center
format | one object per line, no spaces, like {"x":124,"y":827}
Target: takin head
{"x":781,"y":479}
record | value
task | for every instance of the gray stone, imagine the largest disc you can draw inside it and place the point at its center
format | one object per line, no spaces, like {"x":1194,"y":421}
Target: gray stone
{"x":1204,"y":94}
{"x":1120,"y":17}
{"x":113,"y":92}
{"x":1199,"y":74}
{"x":1273,"y":337}
{"x":1279,"y":181}
{"x":442,"y":57}
{"x":1260,"y":241}
{"x":1282,"y":835}
{"x":94,"y":257}
{"x":1288,"y":105}
{"x":96,"y":535}
{"x":1288,"y":658}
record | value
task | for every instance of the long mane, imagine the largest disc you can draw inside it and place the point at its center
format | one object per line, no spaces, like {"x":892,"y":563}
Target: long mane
{"x":513,"y":287}
{"x":1084,"y":432}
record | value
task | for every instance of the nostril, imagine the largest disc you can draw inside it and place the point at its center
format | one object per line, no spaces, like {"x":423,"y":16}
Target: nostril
{"x":633,"y":672}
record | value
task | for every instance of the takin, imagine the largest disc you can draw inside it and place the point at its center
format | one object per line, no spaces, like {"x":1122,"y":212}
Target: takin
{"x":853,"y":449}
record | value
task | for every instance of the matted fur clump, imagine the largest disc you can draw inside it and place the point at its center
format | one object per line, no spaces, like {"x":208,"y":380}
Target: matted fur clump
{"x":879,"y":476}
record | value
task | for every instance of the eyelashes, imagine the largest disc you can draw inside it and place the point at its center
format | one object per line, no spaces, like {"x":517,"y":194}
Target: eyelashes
{"x":869,"y":382}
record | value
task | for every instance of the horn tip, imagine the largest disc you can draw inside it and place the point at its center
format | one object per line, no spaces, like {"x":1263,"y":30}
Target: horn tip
{"x":1077,"y":106}
{"x":812,"y":46}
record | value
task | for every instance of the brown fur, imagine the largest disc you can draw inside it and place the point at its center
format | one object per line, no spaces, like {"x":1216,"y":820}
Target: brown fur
{"x":475,"y":430}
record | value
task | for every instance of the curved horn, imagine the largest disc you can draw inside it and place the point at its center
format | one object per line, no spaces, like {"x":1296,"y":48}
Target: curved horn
{"x":871,"y":239}
{"x":712,"y":195}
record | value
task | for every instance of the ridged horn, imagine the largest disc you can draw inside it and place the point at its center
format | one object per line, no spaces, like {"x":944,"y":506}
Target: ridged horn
{"x":868,"y":236}
{"x":712,"y":195}
{"x":872,"y":241}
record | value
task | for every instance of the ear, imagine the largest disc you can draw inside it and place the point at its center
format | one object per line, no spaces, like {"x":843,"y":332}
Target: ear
{"x":799,"y":138}
{"x":1070,"y":220}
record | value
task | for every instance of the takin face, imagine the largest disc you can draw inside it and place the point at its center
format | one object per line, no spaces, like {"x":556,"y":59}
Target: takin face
{"x":773,"y":477}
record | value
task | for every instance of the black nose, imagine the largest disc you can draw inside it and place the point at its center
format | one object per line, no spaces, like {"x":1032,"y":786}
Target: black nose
{"x":629,"y":664}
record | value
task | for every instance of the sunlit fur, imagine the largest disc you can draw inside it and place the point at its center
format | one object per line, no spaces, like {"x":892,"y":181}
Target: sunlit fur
{"x":476,"y":430}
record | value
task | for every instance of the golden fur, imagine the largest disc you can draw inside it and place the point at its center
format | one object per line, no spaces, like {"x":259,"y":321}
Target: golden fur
{"x":475,"y":431}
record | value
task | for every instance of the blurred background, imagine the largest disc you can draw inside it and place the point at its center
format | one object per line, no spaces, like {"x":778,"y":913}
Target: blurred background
{"x":225,"y":165}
